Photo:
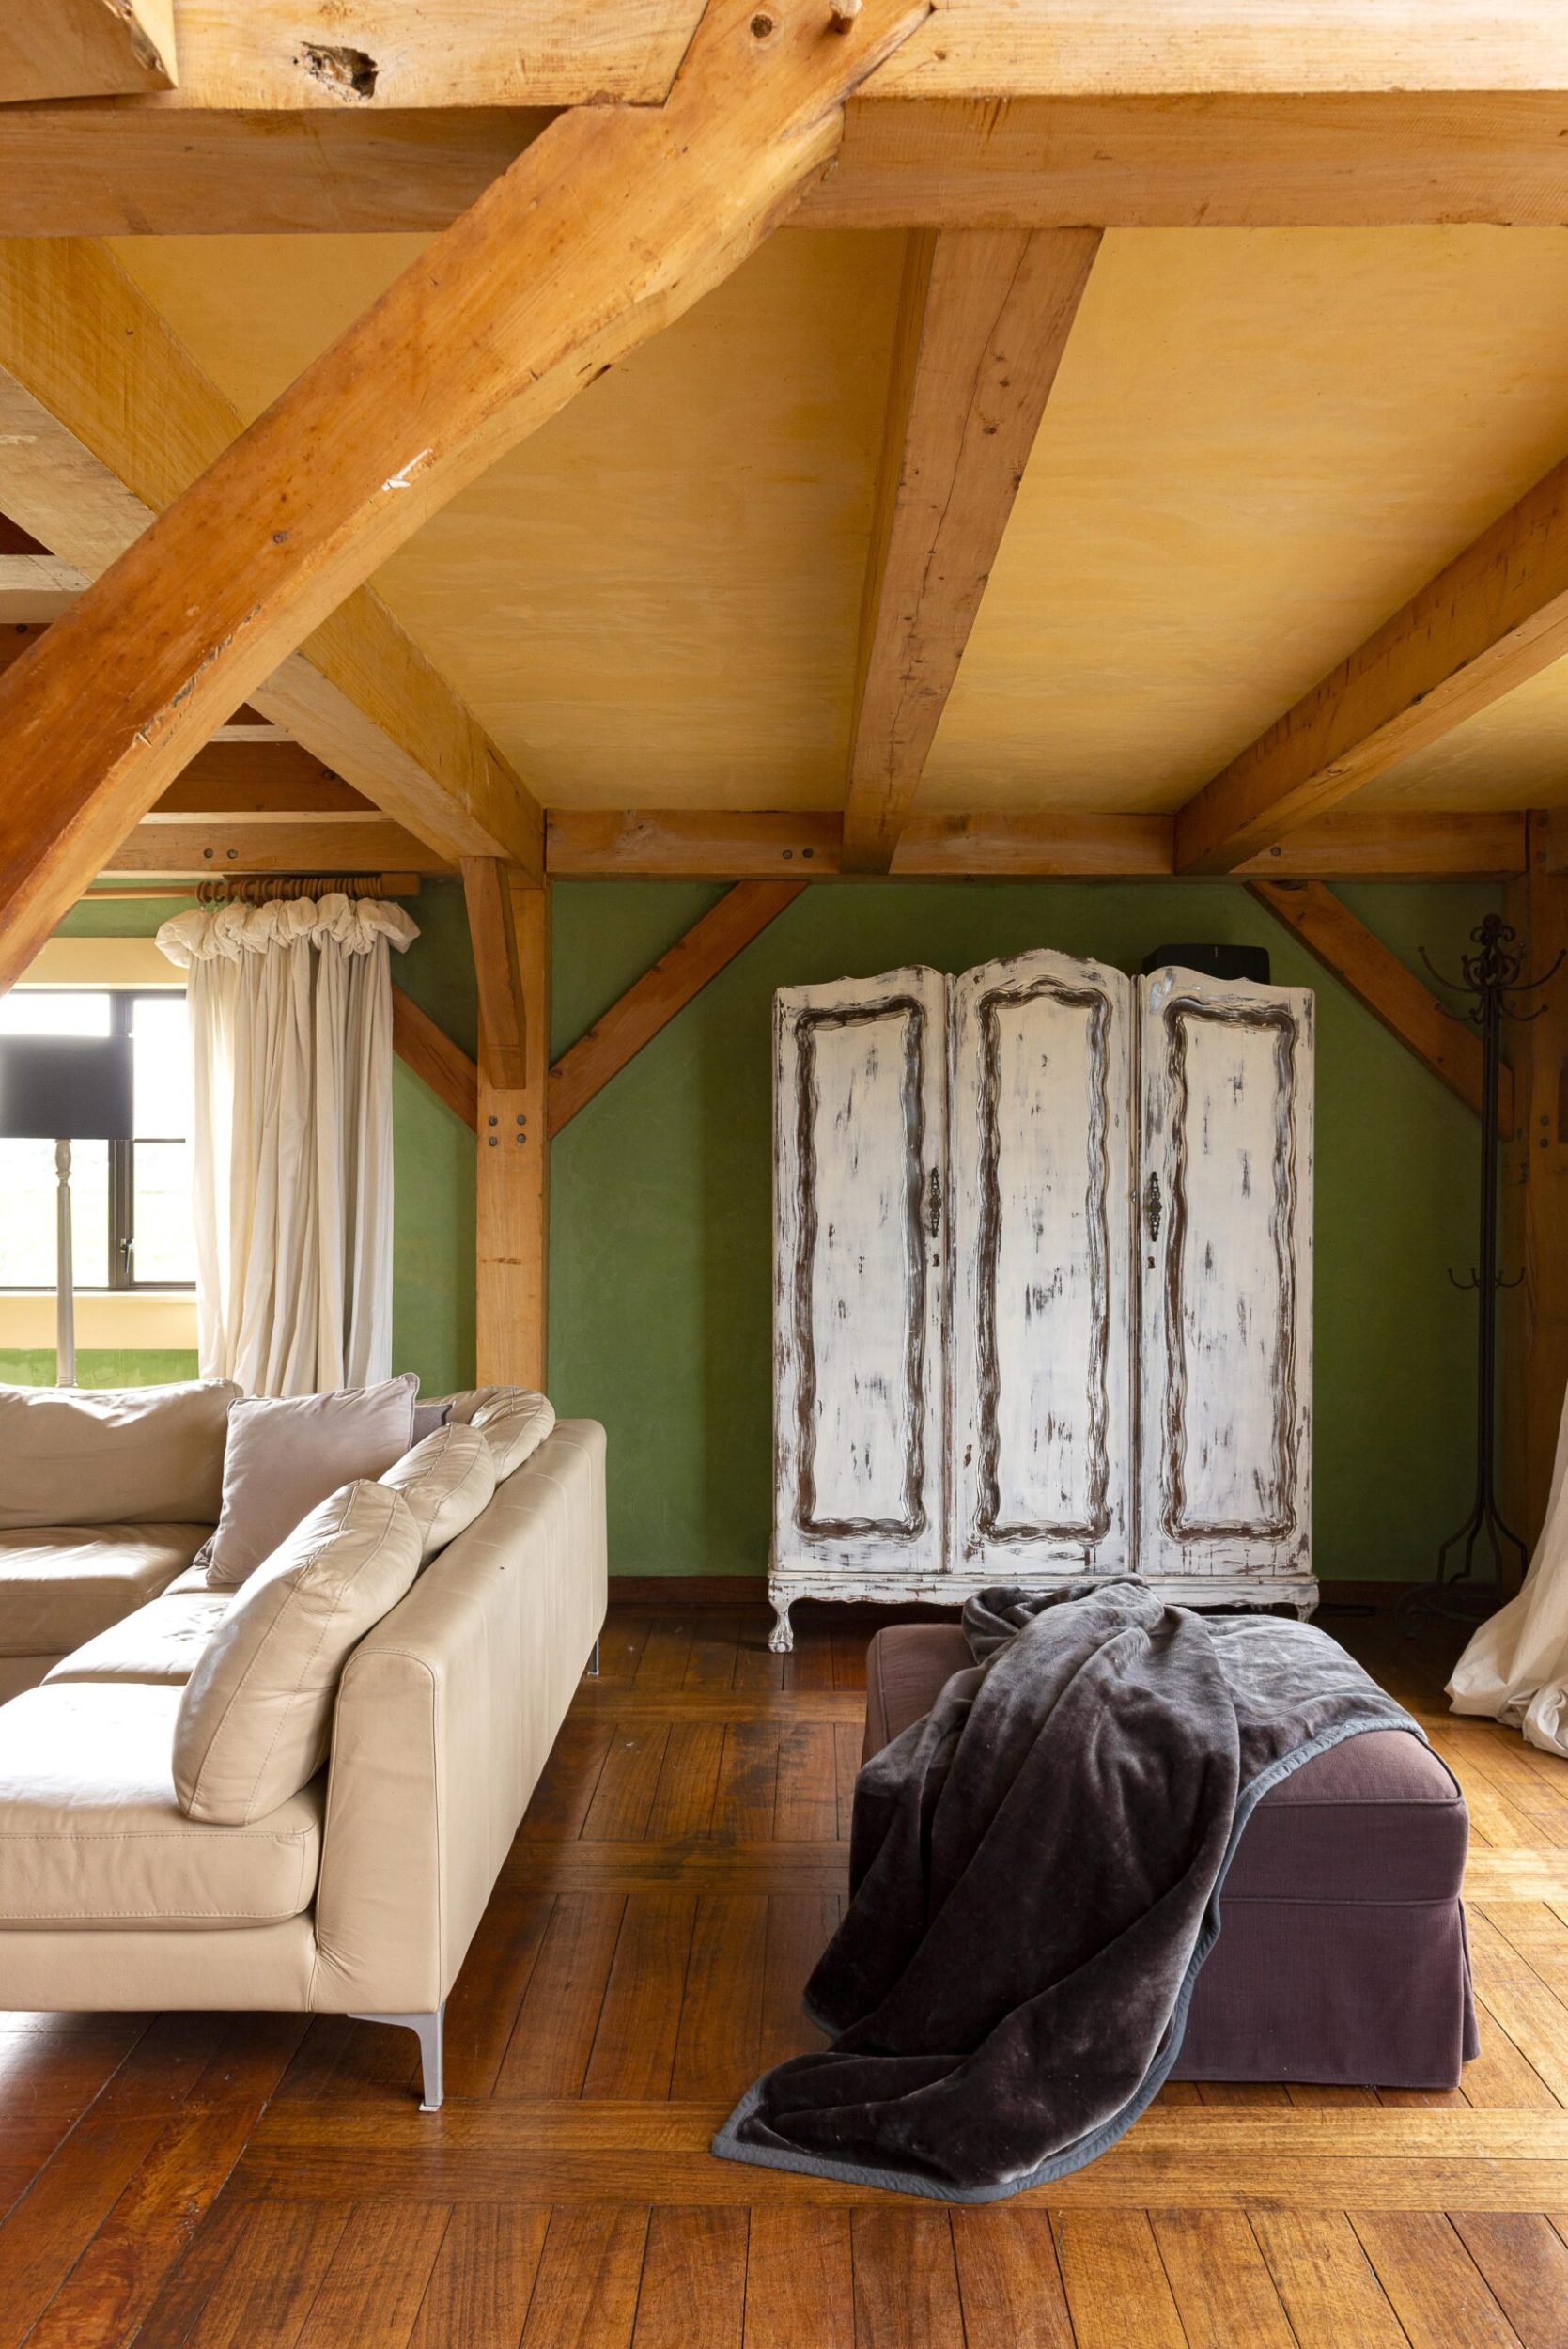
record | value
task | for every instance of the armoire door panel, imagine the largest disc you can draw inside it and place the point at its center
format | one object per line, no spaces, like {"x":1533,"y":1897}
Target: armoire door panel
{"x":862,"y":1106}
{"x":1041,"y":1248}
{"x":1226,"y":1274}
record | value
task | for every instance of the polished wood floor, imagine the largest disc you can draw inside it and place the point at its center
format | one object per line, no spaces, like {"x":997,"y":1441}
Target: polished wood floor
{"x":206,"y":2180}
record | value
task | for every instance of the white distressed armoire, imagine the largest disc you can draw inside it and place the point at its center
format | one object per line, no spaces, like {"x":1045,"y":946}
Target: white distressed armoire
{"x":1042,"y":1284}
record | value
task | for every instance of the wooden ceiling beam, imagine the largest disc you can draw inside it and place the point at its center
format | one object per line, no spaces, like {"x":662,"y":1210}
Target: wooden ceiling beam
{"x":141,"y":167}
{"x":198,"y":847}
{"x":264,"y":782}
{"x":503,"y":1013}
{"x":611,"y":224}
{"x":86,"y":49}
{"x":699,"y":844}
{"x":245,"y":724}
{"x":104,"y":421}
{"x":314,"y":57}
{"x":1209,"y":158}
{"x":984,"y":319}
{"x":1387,"y":987}
{"x":1490,"y":620}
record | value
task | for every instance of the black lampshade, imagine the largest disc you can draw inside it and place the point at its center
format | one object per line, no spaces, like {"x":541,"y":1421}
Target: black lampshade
{"x":73,"y":1088}
{"x":1213,"y":962}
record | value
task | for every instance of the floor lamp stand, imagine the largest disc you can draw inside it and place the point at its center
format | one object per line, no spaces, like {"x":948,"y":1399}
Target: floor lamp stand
{"x":65,"y":1289}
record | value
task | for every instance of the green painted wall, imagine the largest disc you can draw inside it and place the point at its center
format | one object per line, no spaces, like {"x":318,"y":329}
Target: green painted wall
{"x":98,"y":1366}
{"x":660,"y":1213}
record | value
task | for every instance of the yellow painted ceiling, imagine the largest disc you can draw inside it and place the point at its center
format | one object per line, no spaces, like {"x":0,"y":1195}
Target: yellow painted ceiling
{"x":1260,"y":444}
{"x":655,"y":601}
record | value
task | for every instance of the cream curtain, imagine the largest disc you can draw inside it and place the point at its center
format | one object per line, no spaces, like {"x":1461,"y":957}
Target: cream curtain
{"x":1517,"y":1666}
{"x":290,"y":1009}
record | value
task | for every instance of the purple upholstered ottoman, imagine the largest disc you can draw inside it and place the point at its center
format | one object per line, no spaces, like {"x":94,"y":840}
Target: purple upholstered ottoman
{"x":1341,"y":1954}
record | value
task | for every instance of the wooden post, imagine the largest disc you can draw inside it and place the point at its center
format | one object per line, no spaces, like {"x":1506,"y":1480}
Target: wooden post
{"x":512,"y":1234}
{"x":1534,"y":1212}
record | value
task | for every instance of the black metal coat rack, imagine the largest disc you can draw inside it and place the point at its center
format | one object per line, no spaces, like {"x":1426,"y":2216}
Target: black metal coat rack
{"x":1489,"y":976}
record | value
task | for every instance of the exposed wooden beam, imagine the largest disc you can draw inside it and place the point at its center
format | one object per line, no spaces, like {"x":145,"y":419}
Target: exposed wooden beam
{"x":708,"y":947}
{"x":1490,"y":619}
{"x":132,"y":167}
{"x":244,"y":725}
{"x":424,"y":1047}
{"x":199,"y":847}
{"x":1394,"y":158}
{"x":693,"y":844}
{"x":1385,"y":987}
{"x":983,"y":320}
{"x":1356,"y":844}
{"x":1160,"y":48}
{"x":722,"y":846}
{"x":15,"y":540}
{"x":615,"y":222}
{"x":41,"y":579}
{"x":502,"y":1016}
{"x":292,"y":56}
{"x":263,"y":781}
{"x":314,"y":56}
{"x":85,"y":48}
{"x":105,"y":420}
{"x":1398,"y":157}
{"x":512,"y":1229}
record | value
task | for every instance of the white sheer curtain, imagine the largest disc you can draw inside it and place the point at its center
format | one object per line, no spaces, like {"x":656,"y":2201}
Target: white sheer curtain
{"x":290,"y":1007}
{"x":1517,"y":1666}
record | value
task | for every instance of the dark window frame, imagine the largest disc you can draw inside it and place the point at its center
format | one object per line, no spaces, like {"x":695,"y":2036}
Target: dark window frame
{"x":121,"y":1185}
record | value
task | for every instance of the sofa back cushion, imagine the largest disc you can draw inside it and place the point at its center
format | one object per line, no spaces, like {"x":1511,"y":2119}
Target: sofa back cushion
{"x":285,"y":1454}
{"x":131,"y":1455}
{"x":256,"y":1719}
{"x":514,"y":1421}
{"x":447,"y":1480}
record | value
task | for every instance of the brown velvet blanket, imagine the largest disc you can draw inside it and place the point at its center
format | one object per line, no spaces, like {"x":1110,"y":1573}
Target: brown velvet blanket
{"x":1036,"y":1869}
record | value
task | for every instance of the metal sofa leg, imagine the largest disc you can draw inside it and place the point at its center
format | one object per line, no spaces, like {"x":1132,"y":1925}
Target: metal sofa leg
{"x":427,"y":2029}
{"x":593,"y":1663}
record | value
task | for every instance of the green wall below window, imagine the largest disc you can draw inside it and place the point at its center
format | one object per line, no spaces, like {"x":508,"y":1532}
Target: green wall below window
{"x":662,"y":1219}
{"x":98,"y":1366}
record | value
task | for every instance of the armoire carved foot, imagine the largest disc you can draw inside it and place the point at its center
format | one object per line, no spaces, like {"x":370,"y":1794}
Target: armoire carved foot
{"x":781,"y":1637}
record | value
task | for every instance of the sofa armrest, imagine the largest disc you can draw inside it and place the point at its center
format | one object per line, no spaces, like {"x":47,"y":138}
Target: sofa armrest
{"x":446,"y":1717}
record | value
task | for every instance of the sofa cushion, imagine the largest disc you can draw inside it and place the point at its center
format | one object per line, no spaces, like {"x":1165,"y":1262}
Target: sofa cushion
{"x":192,"y":1577}
{"x":285,"y":1454}
{"x":131,"y":1455}
{"x":92,"y":1834}
{"x":514,"y":1421}
{"x":1376,"y":1818}
{"x":255,"y":1716}
{"x":160,"y":1641}
{"x":62,"y":1584}
{"x":18,"y":1673}
{"x":447,"y":1480}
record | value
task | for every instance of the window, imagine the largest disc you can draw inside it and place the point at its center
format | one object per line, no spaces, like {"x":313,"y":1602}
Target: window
{"x":130,"y":1201}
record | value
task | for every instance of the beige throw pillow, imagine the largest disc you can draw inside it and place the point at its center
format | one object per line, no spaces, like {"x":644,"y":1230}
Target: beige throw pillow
{"x":135,"y":1455}
{"x":447,"y":1480}
{"x":514,"y":1421}
{"x":256,"y":1719}
{"x":285,"y":1454}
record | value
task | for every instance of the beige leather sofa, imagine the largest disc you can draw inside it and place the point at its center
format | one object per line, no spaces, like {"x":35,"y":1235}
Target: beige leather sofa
{"x":362,"y":1893}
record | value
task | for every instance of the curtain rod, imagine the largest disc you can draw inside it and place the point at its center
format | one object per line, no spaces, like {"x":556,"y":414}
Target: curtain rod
{"x":259,"y":888}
